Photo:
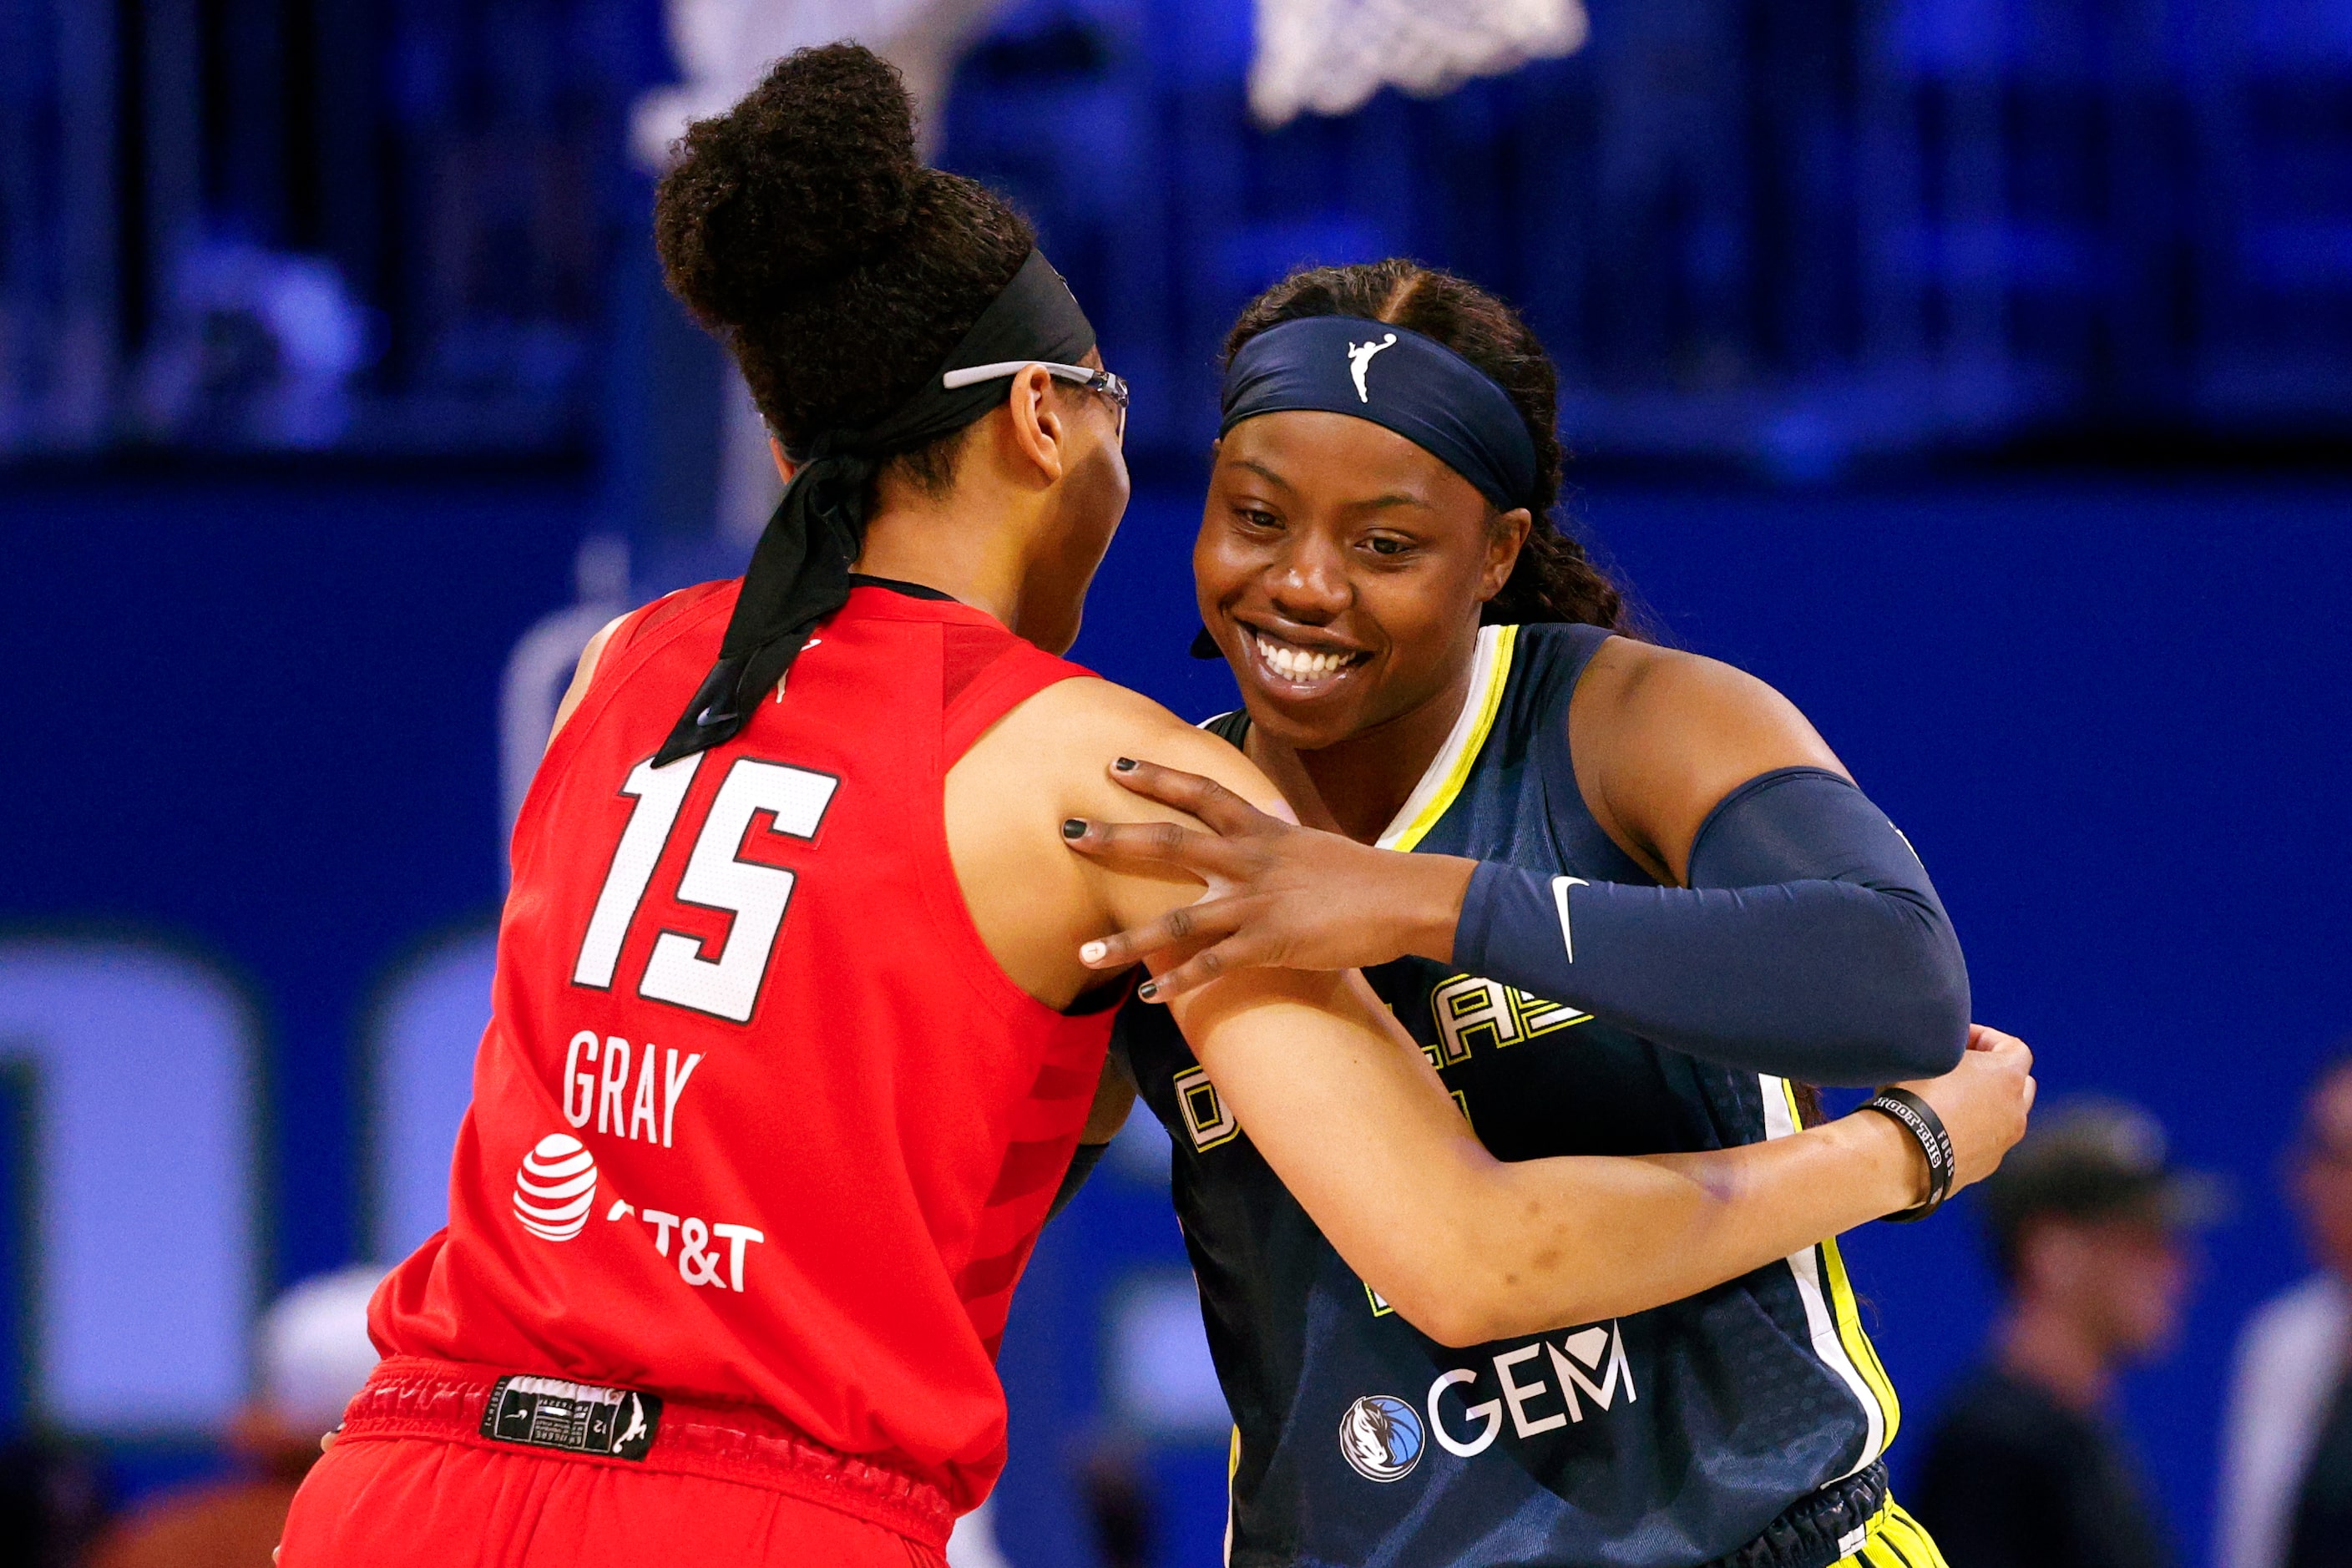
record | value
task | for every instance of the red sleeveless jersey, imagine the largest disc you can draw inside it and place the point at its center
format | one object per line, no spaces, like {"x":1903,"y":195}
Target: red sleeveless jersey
{"x":758,"y":1118}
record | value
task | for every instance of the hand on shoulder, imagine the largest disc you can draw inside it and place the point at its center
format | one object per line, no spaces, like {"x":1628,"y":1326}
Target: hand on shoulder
{"x":1278,"y":894}
{"x":1045,"y":762}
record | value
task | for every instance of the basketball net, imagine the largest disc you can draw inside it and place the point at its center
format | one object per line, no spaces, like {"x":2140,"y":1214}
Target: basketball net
{"x":1327,"y":56}
{"x":724,"y":47}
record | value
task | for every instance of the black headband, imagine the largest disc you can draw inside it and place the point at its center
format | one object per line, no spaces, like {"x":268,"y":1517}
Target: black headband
{"x":800,"y":569}
{"x":1395,"y":377}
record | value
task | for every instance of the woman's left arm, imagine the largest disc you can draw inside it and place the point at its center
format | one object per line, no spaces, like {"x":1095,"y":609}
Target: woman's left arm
{"x":1801,"y":935}
{"x":1808,"y":941}
{"x":1812,"y":944}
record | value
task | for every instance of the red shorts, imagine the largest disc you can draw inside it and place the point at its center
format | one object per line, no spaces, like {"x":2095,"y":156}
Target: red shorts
{"x":413,"y":1482}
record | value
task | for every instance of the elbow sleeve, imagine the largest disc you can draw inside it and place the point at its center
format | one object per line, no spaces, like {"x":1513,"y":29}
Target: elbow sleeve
{"x":1810,"y":944}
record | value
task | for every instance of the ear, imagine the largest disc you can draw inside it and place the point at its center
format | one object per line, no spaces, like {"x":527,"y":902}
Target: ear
{"x":1505,"y":537}
{"x":1041,"y":435}
{"x":784,"y":465}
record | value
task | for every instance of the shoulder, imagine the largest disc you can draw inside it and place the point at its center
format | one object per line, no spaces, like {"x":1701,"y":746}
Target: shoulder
{"x":1645,"y":691}
{"x":634,"y":627}
{"x":679,"y":611}
{"x":1047,"y":760}
{"x":1073,"y":730}
{"x":1660,"y":737}
{"x":1672,"y":726}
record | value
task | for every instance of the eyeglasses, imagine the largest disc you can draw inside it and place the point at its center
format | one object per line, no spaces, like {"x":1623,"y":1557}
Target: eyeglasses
{"x":1101,"y":381}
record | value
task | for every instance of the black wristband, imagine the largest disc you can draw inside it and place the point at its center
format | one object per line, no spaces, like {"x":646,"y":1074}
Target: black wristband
{"x":1919,"y":1118}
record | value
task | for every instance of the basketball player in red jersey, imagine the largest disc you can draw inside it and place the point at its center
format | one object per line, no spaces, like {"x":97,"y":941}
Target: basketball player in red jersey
{"x":790,"y":1045}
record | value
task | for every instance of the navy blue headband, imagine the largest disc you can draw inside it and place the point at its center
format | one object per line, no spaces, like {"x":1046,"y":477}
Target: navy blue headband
{"x":1393,"y":376}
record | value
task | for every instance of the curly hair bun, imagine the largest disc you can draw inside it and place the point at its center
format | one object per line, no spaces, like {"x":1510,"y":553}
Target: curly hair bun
{"x":810,"y":176}
{"x":801,"y":230}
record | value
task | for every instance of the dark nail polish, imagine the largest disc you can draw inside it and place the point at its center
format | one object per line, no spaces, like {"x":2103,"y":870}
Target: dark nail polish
{"x":1148,"y":990}
{"x":1074,"y":828}
{"x":1124,"y":764}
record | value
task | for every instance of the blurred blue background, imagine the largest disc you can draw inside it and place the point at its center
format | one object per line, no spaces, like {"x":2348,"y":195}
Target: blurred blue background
{"x":1978,"y":371}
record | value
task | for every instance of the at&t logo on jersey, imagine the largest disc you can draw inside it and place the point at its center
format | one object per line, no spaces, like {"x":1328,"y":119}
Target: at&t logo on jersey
{"x":699,"y":1259}
{"x":556,"y":1188}
{"x":1380,"y":1436}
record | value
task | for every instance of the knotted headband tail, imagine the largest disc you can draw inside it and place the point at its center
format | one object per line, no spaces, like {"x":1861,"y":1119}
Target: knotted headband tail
{"x":799,"y":574}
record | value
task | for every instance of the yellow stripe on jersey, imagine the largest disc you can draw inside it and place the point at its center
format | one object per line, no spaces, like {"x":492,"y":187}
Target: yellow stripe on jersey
{"x":1893,"y":1540}
{"x":1857,"y":1343}
{"x":1233,"y":1474}
{"x":1831,"y":1318}
{"x":1847,"y":1313}
{"x":1442,"y":780}
{"x":1905,"y":1534}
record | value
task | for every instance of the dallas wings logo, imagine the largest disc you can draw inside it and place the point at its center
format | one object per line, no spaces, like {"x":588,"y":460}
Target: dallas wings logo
{"x":1380,"y":1436}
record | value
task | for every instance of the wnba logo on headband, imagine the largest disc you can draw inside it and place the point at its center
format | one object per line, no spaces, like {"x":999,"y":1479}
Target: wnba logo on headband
{"x":1360,"y":360}
{"x":1429,"y":394}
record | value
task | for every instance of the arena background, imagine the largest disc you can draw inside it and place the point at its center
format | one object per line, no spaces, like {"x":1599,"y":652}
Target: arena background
{"x":1978,"y":371}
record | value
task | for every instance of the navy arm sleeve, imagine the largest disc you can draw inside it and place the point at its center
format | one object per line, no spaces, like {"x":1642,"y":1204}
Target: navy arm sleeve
{"x":1809,"y":943}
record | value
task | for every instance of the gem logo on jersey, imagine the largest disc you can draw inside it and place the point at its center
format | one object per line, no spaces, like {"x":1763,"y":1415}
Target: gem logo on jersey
{"x":556,"y":1188}
{"x":1575,"y":1361}
{"x":1380,"y":1436}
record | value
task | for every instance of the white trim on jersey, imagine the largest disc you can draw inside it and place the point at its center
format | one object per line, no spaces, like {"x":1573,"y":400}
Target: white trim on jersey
{"x":1780,"y":1121}
{"x":1442,"y":780}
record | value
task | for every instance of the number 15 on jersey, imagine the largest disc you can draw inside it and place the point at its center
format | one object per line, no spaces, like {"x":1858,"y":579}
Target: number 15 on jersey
{"x":716,"y":878}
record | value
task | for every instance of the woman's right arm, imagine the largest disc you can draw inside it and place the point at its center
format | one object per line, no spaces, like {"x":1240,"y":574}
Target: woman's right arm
{"x":1469,"y":1248}
{"x":1353,"y":1117}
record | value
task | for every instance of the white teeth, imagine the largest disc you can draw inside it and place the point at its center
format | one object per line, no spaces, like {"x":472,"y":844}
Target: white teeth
{"x":1299,"y":664}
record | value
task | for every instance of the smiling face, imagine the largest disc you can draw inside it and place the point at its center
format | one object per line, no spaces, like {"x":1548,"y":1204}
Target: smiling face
{"x":1340,"y":569}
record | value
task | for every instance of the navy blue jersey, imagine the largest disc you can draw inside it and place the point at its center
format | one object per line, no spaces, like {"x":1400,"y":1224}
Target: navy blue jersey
{"x":1747,"y":1418}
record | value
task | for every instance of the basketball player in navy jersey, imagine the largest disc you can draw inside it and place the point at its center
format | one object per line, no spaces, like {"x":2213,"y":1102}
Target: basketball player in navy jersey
{"x":1646,"y":903}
